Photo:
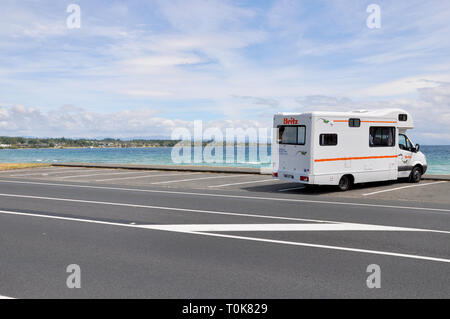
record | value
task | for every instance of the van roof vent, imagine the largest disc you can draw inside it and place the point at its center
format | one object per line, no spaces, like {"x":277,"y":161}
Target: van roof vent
{"x":361,"y":111}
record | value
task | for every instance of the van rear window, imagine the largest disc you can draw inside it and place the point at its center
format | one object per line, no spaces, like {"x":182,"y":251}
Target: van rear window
{"x":292,"y":135}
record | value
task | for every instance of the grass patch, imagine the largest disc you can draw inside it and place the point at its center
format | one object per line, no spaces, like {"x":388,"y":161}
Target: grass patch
{"x":10,"y":166}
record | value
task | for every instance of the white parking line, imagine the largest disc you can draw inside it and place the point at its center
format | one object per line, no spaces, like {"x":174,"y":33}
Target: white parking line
{"x":279,"y":227}
{"x":97,"y":174}
{"x":275,"y":199}
{"x":251,"y":182}
{"x":143,"y":176}
{"x":291,"y":189}
{"x":51,"y":173}
{"x":403,"y":187}
{"x":196,"y":179}
{"x":164,"y":228}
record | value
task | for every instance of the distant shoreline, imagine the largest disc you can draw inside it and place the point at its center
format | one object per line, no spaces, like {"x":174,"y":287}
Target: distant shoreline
{"x":125,"y":147}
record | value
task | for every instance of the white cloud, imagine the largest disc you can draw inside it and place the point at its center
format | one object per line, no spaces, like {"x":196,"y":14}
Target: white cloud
{"x":406,"y":85}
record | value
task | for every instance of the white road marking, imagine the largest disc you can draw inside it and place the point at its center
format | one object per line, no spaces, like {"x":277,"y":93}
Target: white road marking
{"x":277,"y":227}
{"x":196,"y":211}
{"x":97,"y":174}
{"x":356,"y":250}
{"x":291,"y":189}
{"x":4,"y":297}
{"x":403,"y":187}
{"x":196,"y":179}
{"x":168,"y":208}
{"x":51,"y":172}
{"x":251,"y":182}
{"x":154,"y":227}
{"x":143,"y":176}
{"x":229,"y":196}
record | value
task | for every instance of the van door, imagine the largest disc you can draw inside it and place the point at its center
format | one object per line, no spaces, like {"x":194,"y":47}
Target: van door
{"x":404,"y":156}
{"x":294,"y":157}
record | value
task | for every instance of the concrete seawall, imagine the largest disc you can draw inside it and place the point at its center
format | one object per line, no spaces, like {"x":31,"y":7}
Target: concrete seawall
{"x":208,"y":169}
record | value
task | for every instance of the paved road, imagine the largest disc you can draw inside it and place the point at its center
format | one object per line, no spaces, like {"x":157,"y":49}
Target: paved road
{"x":188,"y":235}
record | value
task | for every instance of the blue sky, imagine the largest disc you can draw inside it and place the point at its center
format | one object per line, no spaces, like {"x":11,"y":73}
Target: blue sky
{"x":143,"y":68}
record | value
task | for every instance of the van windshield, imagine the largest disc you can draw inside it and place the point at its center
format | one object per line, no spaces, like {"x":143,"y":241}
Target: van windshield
{"x":292,"y":135}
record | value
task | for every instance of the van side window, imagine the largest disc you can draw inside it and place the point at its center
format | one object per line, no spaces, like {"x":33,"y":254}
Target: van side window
{"x":292,"y":135}
{"x":354,"y":122}
{"x":328,"y":139}
{"x":382,"y":136}
{"x":403,"y":117}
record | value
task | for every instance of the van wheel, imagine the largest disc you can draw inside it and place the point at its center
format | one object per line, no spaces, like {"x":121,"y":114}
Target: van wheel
{"x":416,"y":175}
{"x":344,"y":183}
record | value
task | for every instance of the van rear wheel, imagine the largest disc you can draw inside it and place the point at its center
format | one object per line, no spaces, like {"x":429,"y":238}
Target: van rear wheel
{"x":416,"y":175}
{"x":344,"y":183}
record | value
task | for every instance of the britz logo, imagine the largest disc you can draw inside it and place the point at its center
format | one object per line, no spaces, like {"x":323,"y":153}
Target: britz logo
{"x":290,"y":121}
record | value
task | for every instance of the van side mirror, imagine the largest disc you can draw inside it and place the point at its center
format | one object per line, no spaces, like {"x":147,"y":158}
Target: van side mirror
{"x":417,"y":147}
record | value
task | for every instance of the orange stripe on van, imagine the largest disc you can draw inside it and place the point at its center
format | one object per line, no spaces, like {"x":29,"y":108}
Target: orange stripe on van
{"x":383,"y":122}
{"x":390,"y":122}
{"x":353,"y":158}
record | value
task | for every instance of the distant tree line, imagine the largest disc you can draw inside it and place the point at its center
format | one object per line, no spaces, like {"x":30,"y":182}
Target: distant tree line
{"x":25,"y":142}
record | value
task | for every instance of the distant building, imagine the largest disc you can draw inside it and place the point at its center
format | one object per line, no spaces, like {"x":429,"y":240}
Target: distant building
{"x":5,"y":145}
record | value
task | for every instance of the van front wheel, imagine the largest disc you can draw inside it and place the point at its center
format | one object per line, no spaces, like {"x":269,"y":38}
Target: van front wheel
{"x":416,"y":175}
{"x":344,"y":183}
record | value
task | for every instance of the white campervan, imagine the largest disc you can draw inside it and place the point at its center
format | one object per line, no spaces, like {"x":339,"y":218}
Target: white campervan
{"x":345,"y":148}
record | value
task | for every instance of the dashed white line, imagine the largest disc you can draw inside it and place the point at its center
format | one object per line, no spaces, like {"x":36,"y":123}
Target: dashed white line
{"x":243,"y":183}
{"x":161,"y":228}
{"x":143,"y":176}
{"x":403,"y":187}
{"x":196,"y":179}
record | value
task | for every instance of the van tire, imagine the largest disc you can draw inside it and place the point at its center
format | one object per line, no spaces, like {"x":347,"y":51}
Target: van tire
{"x":345,"y":183}
{"x":416,"y":175}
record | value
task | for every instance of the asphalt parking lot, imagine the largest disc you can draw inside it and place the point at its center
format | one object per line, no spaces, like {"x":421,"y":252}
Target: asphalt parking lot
{"x":427,"y":191}
{"x":162,"y":234}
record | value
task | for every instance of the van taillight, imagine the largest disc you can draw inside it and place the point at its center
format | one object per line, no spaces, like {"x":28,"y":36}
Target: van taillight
{"x":275,"y":174}
{"x":304,"y":178}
